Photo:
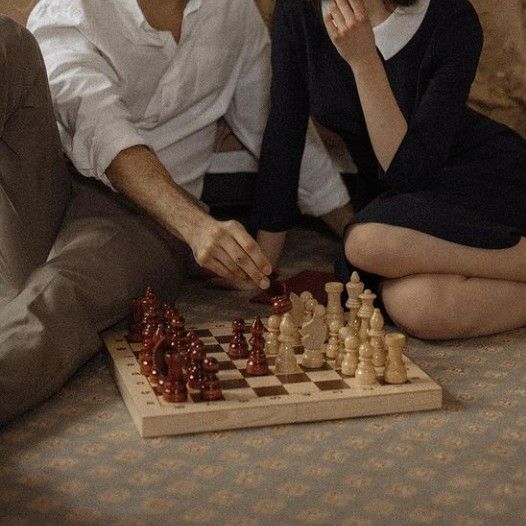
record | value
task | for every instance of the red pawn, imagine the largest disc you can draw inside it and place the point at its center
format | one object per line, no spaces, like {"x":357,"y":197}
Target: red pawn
{"x":211,"y":387}
{"x":195,"y":374}
{"x":174,"y":386}
{"x":238,"y":347}
{"x":257,"y":364}
{"x":158,"y":370}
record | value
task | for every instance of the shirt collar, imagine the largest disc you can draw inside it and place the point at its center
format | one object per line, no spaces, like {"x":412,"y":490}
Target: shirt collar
{"x":394,"y":33}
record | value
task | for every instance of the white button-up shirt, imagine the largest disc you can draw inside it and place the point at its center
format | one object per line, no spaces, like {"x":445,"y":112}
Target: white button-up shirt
{"x":116,"y":82}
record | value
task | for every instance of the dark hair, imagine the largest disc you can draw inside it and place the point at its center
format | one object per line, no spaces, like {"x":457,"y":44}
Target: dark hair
{"x":389,"y":4}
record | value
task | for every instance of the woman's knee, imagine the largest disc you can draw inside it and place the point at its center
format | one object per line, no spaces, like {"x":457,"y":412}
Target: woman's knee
{"x":370,"y":246}
{"x":425,"y":307}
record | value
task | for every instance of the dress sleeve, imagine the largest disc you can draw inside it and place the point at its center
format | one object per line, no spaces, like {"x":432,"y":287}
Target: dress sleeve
{"x":276,"y":198}
{"x":439,"y":115}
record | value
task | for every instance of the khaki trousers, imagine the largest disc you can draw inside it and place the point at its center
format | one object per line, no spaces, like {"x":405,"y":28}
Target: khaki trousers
{"x":72,"y":253}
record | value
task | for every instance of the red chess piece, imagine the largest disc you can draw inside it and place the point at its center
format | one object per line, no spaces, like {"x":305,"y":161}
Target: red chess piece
{"x":174,"y":386}
{"x":257,"y":364}
{"x":211,"y":386}
{"x":195,"y":375}
{"x":238,"y":347}
{"x":158,"y":370}
{"x":281,"y":305}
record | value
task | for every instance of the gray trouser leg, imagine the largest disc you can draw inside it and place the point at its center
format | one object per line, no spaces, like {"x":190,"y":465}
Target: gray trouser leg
{"x":104,"y":255}
{"x":34,"y":184}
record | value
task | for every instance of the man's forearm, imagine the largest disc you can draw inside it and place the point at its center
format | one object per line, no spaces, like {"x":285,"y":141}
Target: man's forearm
{"x":139,"y":175}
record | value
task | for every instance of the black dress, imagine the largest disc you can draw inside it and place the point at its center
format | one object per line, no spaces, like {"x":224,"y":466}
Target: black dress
{"x":457,"y":175}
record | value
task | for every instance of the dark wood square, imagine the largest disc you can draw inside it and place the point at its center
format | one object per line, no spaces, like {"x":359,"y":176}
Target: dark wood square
{"x":223,"y":339}
{"x":299,"y":350}
{"x":203,"y":333}
{"x":332,"y":385}
{"x":213,"y":348}
{"x":293,"y":378}
{"x":271,"y":390}
{"x":226,"y":366}
{"x":236,"y":383}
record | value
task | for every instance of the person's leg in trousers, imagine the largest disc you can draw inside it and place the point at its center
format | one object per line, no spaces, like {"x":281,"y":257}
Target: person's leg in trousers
{"x":104,"y":254}
{"x":34,"y":183}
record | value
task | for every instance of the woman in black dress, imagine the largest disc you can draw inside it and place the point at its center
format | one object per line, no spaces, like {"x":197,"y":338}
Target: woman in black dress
{"x":443,"y":231}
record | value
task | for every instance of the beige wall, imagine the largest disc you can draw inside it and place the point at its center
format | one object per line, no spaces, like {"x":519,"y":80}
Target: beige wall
{"x":500,"y":87}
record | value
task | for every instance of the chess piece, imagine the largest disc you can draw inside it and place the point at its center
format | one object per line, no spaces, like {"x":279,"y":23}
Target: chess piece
{"x":343,"y":333}
{"x":174,"y":385}
{"x":365,"y":313}
{"x":211,"y":386}
{"x":271,"y":338}
{"x":238,"y":347}
{"x":376,"y":335}
{"x":333,"y":346}
{"x":257,"y":361}
{"x":281,"y":305}
{"x":354,"y":289}
{"x":365,"y":372}
{"x":395,"y":371}
{"x":297,"y":310}
{"x":334,"y":310}
{"x":195,"y":376}
{"x":159,"y":368}
{"x":350,"y":359}
{"x":314,"y":334}
{"x":308,"y":309}
{"x":286,"y":362}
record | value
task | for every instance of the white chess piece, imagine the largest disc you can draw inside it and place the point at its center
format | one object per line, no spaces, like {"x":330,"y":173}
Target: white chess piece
{"x":376,"y":334}
{"x":343,"y":333}
{"x":314,"y":334}
{"x":365,"y":313}
{"x":271,"y":337}
{"x":365,"y":372}
{"x":333,"y":346}
{"x":354,"y":289}
{"x":395,"y":371}
{"x":308,"y":309}
{"x":286,"y":362}
{"x":350,"y":360}
{"x":334,"y":309}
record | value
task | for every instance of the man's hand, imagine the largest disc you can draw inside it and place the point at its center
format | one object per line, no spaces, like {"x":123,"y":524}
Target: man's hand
{"x":224,"y":247}
{"x":351,"y":31}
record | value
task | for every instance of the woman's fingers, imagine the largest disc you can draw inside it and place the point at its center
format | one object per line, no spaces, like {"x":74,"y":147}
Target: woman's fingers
{"x":346,"y":11}
{"x":359,"y":8}
{"x":337,"y":16}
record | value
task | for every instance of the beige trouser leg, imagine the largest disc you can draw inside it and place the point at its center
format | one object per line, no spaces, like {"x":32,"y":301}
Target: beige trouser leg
{"x":34,"y":183}
{"x":72,"y":284}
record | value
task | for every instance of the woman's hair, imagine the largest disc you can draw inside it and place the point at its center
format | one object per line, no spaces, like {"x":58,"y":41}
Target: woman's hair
{"x":389,"y":4}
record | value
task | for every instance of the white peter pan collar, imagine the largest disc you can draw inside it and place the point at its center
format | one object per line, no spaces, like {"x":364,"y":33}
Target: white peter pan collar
{"x":398,"y":29}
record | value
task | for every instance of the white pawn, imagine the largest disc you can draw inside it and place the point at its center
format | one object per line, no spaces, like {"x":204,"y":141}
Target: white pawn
{"x":271,"y":338}
{"x":333,"y":346}
{"x":350,"y":360}
{"x":365,"y":372}
{"x":286,"y":362}
{"x":343,"y":333}
{"x":395,"y":371}
{"x":365,"y":313}
{"x":376,"y":333}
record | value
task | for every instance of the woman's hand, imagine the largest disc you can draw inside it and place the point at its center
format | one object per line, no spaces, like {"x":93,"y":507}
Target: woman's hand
{"x":225,"y":248}
{"x":351,"y":31}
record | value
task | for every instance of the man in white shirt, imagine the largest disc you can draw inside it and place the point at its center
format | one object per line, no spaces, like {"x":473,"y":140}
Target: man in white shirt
{"x":138,"y":87}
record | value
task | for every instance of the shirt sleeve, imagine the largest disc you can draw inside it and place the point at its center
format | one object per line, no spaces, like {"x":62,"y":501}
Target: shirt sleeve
{"x":434,"y":124}
{"x":275,"y":203}
{"x":93,"y":120}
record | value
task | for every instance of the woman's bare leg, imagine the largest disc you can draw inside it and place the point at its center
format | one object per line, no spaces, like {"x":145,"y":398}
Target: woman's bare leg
{"x":395,"y":252}
{"x":441,"y":306}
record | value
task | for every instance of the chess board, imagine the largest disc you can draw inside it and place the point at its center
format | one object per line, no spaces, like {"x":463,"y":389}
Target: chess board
{"x":250,"y":401}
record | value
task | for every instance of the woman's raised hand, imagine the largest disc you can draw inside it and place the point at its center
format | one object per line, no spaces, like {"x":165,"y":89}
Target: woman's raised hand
{"x":351,"y":31}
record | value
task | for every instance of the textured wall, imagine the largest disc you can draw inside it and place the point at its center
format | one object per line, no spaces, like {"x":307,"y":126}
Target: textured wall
{"x":500,"y":88}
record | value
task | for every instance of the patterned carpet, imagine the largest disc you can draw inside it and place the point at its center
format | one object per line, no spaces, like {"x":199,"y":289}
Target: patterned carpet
{"x":78,"y":459}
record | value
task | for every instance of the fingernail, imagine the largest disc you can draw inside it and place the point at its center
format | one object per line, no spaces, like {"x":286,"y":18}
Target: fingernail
{"x":264,"y":283}
{"x":267,"y":270}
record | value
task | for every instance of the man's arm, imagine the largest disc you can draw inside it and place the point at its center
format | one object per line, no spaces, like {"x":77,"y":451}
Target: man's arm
{"x":223,"y":247}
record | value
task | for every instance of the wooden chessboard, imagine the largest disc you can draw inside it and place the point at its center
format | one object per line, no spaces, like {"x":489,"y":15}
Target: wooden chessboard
{"x":312,"y":395}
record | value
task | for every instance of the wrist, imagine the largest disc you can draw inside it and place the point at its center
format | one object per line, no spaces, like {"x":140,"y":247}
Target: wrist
{"x":364,"y":66}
